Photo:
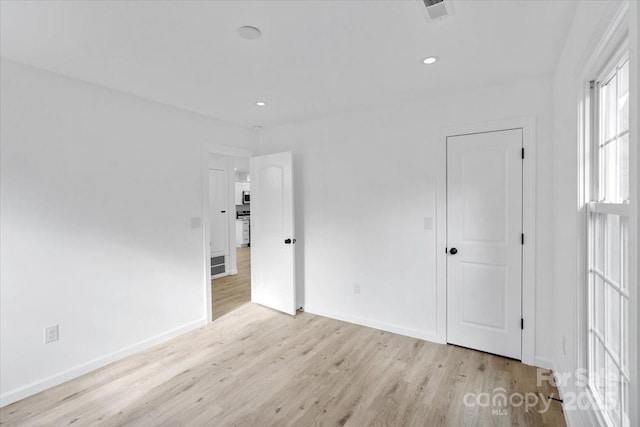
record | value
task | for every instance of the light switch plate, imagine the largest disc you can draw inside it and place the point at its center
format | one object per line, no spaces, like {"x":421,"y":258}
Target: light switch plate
{"x":428,"y":223}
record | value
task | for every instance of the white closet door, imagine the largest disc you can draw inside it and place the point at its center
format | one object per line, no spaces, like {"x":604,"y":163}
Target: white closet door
{"x":484,"y":232}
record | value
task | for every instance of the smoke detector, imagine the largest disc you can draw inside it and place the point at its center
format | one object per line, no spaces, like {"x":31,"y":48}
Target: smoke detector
{"x":249,"y":33}
{"x":437,"y":9}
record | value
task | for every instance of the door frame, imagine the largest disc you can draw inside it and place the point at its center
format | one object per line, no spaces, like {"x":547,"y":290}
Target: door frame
{"x":221,"y":150}
{"x":528,"y":126}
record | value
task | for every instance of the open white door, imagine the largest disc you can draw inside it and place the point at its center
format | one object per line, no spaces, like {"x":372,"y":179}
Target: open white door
{"x":272,"y":232}
{"x":484,"y":232}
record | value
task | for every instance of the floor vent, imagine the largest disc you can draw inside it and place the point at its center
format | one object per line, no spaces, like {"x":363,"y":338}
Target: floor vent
{"x":218,"y":269}
{"x":218,"y":265}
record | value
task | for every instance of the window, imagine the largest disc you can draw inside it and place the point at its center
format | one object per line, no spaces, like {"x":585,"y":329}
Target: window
{"x":608,"y":228}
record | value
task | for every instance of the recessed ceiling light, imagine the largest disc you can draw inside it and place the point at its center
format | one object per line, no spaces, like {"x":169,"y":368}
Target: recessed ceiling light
{"x":430,"y":60}
{"x":248,"y":32}
{"x":261,"y":104}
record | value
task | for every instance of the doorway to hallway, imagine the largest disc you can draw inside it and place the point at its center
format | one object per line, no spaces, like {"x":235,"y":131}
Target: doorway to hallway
{"x":231,"y":292}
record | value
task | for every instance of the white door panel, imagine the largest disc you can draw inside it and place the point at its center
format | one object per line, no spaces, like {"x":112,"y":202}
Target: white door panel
{"x":219,"y":216}
{"x":484,"y":225}
{"x":272,"y":223}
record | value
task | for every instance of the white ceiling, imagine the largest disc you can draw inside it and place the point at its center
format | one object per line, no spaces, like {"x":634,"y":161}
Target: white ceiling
{"x":315,"y":58}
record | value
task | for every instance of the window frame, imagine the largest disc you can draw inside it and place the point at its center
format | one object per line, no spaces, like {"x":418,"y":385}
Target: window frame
{"x":609,"y":69}
{"x":596,"y":205}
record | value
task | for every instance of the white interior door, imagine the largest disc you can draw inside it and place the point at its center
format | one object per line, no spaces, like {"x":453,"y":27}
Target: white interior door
{"x":484,"y":241}
{"x":272,"y":232}
{"x":219,"y":217}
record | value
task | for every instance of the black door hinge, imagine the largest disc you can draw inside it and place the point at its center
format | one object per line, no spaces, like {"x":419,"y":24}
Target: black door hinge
{"x":521,"y":323}
{"x":522,"y":238}
{"x":523,"y":152}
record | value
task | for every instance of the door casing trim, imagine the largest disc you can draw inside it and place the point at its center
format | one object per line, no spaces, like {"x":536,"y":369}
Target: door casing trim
{"x":209,"y":148}
{"x":528,"y":126}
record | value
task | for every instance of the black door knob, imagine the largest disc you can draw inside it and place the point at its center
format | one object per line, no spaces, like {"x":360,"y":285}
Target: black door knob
{"x":453,"y":251}
{"x":287,"y":241}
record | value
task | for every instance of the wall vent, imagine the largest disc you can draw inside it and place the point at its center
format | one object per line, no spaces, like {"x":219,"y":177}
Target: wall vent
{"x":218,"y":265}
{"x":437,"y":9}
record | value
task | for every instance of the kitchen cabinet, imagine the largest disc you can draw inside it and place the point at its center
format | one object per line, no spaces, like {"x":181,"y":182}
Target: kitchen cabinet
{"x":243,"y":236}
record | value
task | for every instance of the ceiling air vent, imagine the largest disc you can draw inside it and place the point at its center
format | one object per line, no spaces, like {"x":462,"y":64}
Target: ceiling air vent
{"x":438,"y":9}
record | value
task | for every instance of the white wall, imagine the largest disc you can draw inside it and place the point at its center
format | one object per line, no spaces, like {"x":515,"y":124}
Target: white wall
{"x":589,"y":27}
{"x":98,"y":192}
{"x":364,"y":183}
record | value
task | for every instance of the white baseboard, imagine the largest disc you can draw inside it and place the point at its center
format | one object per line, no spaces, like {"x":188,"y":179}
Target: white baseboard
{"x":71,"y":373}
{"x":225,"y":274}
{"x":543,"y":362}
{"x":387,"y":327}
{"x":574,"y":417}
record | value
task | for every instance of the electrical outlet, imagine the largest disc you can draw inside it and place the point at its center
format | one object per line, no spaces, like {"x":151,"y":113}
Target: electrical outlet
{"x":356,"y":288}
{"x":50,"y":334}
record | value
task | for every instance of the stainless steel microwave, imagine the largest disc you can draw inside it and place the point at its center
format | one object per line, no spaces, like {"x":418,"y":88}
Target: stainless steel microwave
{"x":246,"y":199}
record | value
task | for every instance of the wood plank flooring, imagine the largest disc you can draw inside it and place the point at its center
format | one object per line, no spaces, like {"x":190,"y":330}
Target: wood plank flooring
{"x":258,"y":367}
{"x":230,"y":292}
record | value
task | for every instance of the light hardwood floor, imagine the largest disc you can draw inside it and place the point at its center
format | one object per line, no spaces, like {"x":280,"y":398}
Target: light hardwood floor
{"x":230,"y":292}
{"x":257,"y":367}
